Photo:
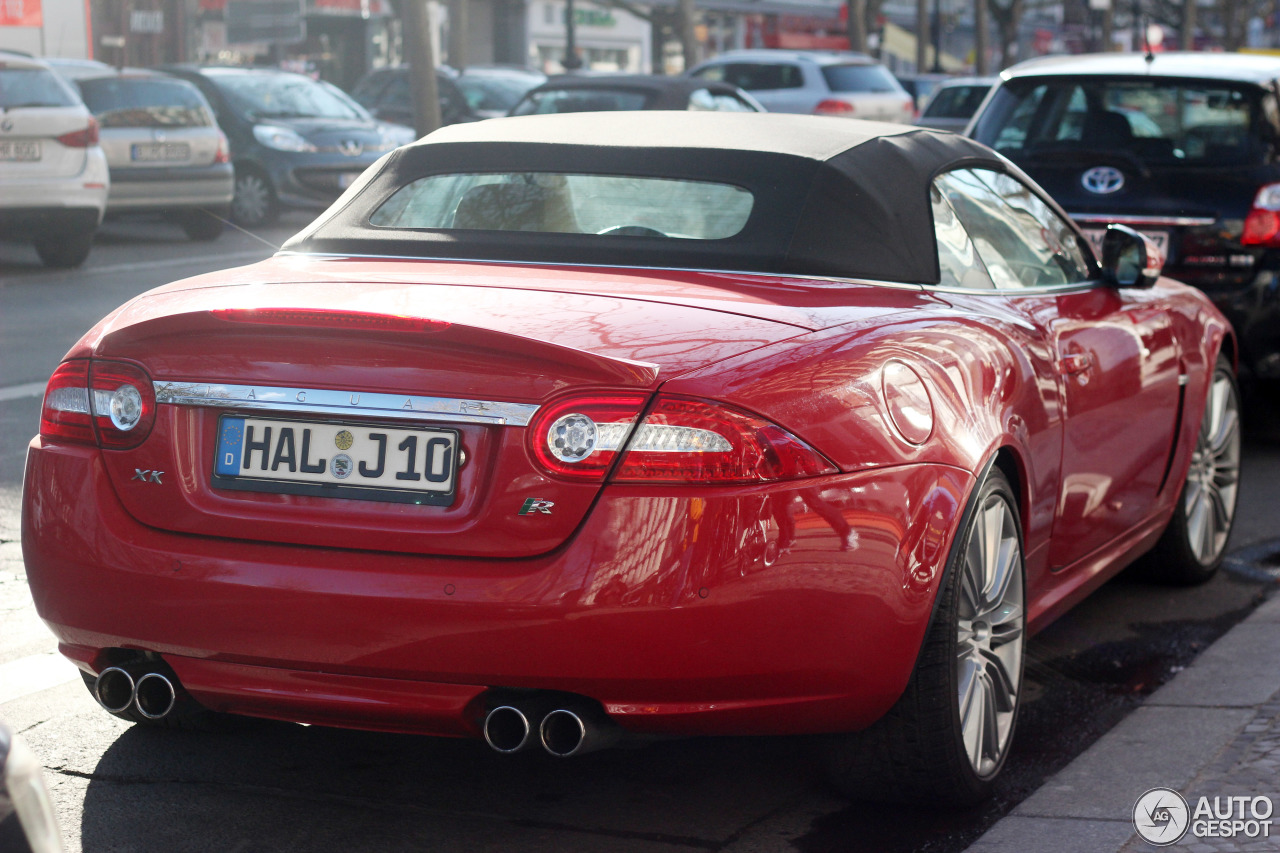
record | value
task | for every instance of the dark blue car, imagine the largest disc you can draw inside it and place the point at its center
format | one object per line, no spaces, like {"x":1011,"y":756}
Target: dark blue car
{"x":295,"y":141}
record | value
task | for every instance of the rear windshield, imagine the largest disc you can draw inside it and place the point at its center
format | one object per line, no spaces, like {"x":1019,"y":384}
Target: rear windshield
{"x":494,"y":93}
{"x":956,"y":101}
{"x":860,"y":78}
{"x":580,"y":101}
{"x":32,"y":87}
{"x":611,"y":205}
{"x":1152,"y":120}
{"x":145,"y":103}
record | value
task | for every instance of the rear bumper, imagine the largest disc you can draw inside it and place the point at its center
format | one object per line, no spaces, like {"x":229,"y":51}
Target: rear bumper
{"x":28,"y":222}
{"x":731,"y":611}
{"x":57,"y":202}
{"x":164,"y":188}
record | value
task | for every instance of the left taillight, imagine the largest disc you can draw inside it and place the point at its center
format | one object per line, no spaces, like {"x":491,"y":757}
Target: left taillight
{"x":1262,"y":225}
{"x":108,"y":403}
{"x":680,"y":440}
{"x":81,"y":138}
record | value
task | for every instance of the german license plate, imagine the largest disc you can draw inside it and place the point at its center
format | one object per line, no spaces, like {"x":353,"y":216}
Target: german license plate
{"x":340,"y":460}
{"x":1160,"y":238}
{"x":151,"y":152}
{"x":14,"y":150}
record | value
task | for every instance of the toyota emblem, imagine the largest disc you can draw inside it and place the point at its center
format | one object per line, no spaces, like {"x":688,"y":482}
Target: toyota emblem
{"x":1103,"y":180}
{"x":350,"y":147}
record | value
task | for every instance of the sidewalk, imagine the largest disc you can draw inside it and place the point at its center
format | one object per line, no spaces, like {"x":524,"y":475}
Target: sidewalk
{"x":1213,"y":731}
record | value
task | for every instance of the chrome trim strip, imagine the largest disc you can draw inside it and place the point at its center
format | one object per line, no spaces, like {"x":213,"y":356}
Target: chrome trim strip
{"x":320,"y":401}
{"x":1126,"y":219}
{"x":830,"y":279}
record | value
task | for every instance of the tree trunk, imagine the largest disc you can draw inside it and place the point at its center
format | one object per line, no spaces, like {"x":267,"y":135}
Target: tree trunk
{"x":922,"y":36}
{"x":422,"y":67}
{"x":981,"y":29}
{"x":688,"y":37}
{"x":856,"y":24}
{"x":458,"y":33}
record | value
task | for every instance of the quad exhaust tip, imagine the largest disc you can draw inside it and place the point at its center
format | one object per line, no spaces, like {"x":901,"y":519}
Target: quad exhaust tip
{"x":507,"y":729}
{"x":152,"y":694}
{"x":114,"y":689}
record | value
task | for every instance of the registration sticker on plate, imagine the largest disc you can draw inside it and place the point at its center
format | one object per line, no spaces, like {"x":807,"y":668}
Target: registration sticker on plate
{"x":1160,"y":238}
{"x":151,"y":152}
{"x":343,"y":460}
{"x":24,"y":151}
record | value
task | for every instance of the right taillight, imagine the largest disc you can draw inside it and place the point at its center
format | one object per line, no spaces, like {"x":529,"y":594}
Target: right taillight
{"x":680,"y":440}
{"x":833,"y":107}
{"x":223,"y":154}
{"x":1262,"y":225}
{"x":81,"y":138}
{"x":108,"y":403}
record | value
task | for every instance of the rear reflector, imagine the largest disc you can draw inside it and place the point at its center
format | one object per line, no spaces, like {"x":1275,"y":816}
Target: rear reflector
{"x":321,"y":318}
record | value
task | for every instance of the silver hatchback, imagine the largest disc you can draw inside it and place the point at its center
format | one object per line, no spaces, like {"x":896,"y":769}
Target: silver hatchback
{"x":843,"y":84}
{"x":165,"y":151}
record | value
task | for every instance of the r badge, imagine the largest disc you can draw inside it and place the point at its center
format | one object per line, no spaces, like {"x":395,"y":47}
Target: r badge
{"x":536,"y":505}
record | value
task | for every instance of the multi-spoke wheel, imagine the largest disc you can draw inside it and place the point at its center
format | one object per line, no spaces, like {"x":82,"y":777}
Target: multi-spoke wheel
{"x":254,"y":202}
{"x":1195,"y":541}
{"x":948,"y":736}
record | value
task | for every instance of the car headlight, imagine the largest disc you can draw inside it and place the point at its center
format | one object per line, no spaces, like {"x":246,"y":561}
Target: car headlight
{"x":22,"y":784}
{"x":281,"y":138}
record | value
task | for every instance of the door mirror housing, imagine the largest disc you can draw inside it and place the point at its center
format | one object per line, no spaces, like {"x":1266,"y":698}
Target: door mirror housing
{"x":1129,"y":259}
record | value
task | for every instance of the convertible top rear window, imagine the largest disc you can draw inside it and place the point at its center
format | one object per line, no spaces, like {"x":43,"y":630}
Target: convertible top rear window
{"x":547,"y":202}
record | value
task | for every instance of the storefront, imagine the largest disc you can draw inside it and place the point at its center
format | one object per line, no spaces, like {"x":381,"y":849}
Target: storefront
{"x":607,"y":38}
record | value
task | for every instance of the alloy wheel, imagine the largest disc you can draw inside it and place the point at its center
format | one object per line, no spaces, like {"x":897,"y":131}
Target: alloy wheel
{"x":252,"y":202}
{"x":989,"y":636}
{"x":1212,"y":481}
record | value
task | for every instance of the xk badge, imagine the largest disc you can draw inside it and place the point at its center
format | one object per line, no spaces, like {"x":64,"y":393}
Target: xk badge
{"x":147,"y":476}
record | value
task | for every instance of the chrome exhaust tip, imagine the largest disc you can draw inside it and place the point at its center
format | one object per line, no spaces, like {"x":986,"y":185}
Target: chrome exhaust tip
{"x":114,"y":689}
{"x":566,"y":732}
{"x":507,"y":729}
{"x":154,"y":695}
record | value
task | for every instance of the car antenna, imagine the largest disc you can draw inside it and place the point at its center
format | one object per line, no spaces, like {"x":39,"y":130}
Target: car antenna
{"x":1146,"y":39}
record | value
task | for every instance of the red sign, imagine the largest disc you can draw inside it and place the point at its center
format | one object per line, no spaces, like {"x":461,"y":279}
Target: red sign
{"x":20,"y":13}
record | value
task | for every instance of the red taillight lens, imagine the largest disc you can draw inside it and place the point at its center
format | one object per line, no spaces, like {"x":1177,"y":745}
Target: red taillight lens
{"x":108,"y":403}
{"x":579,"y":438}
{"x":81,"y":138}
{"x":322,"y":318}
{"x":223,"y":154}
{"x":124,"y":403}
{"x":833,"y":107}
{"x":65,"y":414}
{"x":1262,"y":225}
{"x":686,"y":440}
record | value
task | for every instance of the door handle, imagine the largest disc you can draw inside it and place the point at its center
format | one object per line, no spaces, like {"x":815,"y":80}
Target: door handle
{"x":1073,"y":363}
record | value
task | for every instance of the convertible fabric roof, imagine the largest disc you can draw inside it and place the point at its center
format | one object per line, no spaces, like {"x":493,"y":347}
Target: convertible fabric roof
{"x":833,"y":197}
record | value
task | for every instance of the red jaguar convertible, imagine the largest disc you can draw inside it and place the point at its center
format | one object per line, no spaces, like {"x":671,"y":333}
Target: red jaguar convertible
{"x":561,"y":429}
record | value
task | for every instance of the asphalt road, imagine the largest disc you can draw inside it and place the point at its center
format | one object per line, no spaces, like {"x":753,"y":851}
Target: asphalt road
{"x":278,"y":787}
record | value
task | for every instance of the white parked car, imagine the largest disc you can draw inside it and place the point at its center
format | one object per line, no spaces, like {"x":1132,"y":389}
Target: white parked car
{"x":53,"y":173}
{"x":843,"y":84}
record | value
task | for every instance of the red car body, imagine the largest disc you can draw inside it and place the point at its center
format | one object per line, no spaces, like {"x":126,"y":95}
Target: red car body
{"x":788,"y":606}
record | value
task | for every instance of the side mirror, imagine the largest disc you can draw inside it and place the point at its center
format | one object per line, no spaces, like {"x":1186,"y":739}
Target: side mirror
{"x":1129,"y":259}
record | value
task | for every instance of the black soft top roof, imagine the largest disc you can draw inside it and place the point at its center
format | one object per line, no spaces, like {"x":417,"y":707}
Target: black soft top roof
{"x":833,"y":197}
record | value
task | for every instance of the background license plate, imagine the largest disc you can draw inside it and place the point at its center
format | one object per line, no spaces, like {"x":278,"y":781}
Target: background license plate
{"x":361,"y":461}
{"x":152,"y":151}
{"x":12,"y":150}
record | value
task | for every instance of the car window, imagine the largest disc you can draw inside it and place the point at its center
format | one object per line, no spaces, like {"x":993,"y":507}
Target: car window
{"x":33,"y":87}
{"x":271,"y":95}
{"x":859,"y":78}
{"x":120,"y":102}
{"x":1021,"y":240}
{"x":579,"y":101}
{"x":703,"y":99}
{"x":763,"y":76}
{"x":958,"y":261}
{"x":494,"y":93}
{"x":569,"y":204}
{"x":955,"y":101}
{"x":366,"y":91}
{"x":1155,"y":121}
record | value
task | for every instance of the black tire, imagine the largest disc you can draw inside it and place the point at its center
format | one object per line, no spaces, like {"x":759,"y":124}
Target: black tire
{"x":1184,"y":554}
{"x":64,"y":251}
{"x":187,"y":714}
{"x":255,"y":201}
{"x":201,"y":225}
{"x":917,"y":752}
